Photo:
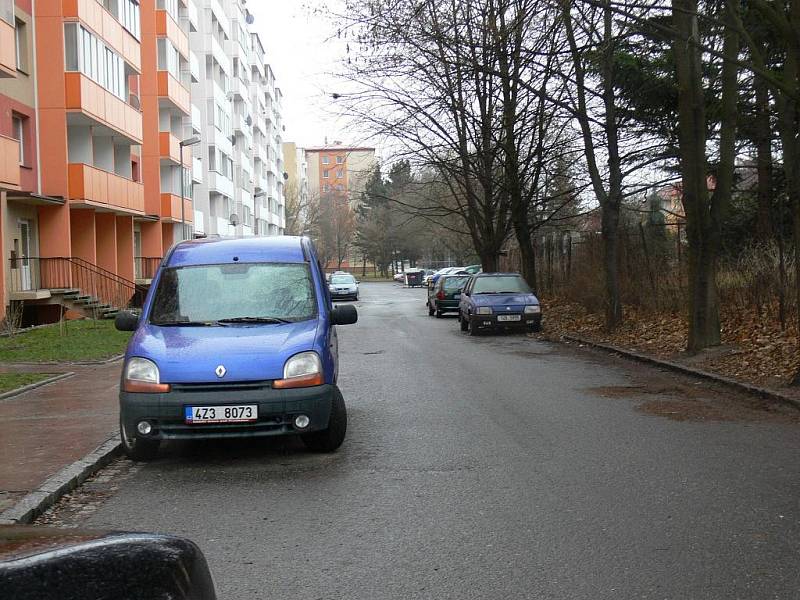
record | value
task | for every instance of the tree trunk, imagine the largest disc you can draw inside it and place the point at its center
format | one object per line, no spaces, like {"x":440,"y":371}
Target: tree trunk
{"x":610,"y":234}
{"x":763,"y":140}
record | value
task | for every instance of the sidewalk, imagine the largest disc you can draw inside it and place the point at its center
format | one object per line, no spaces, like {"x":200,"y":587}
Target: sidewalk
{"x":44,"y":430}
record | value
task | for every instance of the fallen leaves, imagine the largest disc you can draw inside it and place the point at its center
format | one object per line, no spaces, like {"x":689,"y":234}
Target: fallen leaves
{"x":754,"y":349}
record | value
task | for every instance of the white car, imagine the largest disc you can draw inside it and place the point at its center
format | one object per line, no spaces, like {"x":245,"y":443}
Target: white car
{"x":343,"y":286}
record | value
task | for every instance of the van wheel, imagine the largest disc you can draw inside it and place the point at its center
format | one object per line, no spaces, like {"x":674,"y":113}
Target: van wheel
{"x":136,"y":448}
{"x":462,"y":322}
{"x":331,"y":438}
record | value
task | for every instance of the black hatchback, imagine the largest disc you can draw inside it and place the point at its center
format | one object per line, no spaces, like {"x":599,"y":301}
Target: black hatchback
{"x":445,"y":293}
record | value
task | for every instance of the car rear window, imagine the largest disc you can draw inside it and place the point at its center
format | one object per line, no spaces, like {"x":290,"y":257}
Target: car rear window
{"x":454,"y":283}
{"x":343,"y":279}
{"x":213,"y":292}
{"x":500,"y":284}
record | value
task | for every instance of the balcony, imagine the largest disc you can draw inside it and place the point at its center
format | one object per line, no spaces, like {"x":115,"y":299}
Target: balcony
{"x":9,"y":163}
{"x":171,"y":208}
{"x":220,"y":184}
{"x":192,"y":15}
{"x":170,"y":148}
{"x":95,"y":187}
{"x":8,"y":49}
{"x":194,"y":66}
{"x":197,"y":120}
{"x":168,"y":28}
{"x":107,"y":27}
{"x":171,"y":89}
{"x":224,"y":227}
{"x":84,"y":95}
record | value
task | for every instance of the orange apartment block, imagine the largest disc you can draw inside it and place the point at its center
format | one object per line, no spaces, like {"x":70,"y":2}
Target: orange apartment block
{"x":93,"y":103}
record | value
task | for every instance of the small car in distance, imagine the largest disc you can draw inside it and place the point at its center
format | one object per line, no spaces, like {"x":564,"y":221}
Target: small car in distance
{"x":498,"y":302}
{"x":237,"y":339}
{"x":444,"y":295}
{"x":343,"y":286}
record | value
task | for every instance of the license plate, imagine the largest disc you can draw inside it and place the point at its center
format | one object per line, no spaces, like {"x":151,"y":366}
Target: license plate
{"x":509,"y":317}
{"x":241,"y":413}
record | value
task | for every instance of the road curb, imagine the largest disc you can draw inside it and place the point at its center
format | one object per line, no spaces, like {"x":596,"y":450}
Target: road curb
{"x":66,"y":480}
{"x":33,"y":386}
{"x":672,"y":366}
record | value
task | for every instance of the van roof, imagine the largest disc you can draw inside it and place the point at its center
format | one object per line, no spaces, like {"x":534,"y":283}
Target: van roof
{"x":280,"y":249}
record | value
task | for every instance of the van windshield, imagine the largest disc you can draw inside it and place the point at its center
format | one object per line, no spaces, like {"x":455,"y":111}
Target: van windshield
{"x":272,"y":292}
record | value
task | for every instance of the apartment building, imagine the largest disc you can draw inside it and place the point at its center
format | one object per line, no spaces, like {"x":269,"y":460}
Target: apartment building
{"x":240,"y":187}
{"x":107,"y":158}
{"x":296,"y":190}
{"x":339,"y":171}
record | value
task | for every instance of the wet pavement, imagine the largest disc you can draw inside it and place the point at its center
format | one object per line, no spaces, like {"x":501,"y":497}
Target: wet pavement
{"x":50,"y":427}
{"x":490,"y":467}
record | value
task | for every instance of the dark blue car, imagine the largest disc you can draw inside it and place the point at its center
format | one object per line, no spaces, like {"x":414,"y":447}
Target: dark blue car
{"x":237,"y":338}
{"x":498,"y":302}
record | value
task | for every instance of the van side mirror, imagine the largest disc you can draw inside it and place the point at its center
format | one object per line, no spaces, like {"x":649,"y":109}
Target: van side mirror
{"x":126,"y":321}
{"x":344,"y":314}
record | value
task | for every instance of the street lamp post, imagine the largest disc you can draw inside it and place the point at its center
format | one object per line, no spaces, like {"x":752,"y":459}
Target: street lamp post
{"x":188,"y":142}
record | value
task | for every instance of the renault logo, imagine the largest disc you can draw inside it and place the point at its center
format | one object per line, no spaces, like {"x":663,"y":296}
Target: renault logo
{"x":220,"y":371}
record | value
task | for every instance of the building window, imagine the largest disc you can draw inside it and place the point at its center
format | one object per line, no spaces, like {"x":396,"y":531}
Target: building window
{"x":340,"y":160}
{"x":212,"y":159}
{"x":325,"y":173}
{"x":18,"y":133}
{"x":339,"y":187}
{"x":326,"y":160}
{"x":339,"y":173}
{"x":21,"y":39}
{"x":326,"y":188}
{"x":168,"y":59}
{"x":85,"y":53}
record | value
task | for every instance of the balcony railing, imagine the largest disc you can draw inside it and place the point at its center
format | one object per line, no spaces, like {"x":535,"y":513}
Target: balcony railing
{"x":75,"y":275}
{"x":8,"y":48}
{"x":97,"y":186}
{"x":145,"y":267}
{"x":9,"y":163}
{"x":92,"y":99}
{"x":171,"y":208}
{"x":173,"y":90}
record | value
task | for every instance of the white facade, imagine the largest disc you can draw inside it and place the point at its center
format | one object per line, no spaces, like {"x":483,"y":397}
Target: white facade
{"x":234,"y":100}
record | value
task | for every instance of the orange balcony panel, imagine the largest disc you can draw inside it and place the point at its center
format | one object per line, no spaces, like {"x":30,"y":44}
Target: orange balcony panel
{"x":9,"y":163}
{"x":169,"y":147}
{"x":167,"y":27}
{"x":90,"y":185}
{"x":107,"y":27}
{"x":85,"y":95}
{"x":171,"y":208}
{"x":172,"y":89}
{"x":8,"y":51}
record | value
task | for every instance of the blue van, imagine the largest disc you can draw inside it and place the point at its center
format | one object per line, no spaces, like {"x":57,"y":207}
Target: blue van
{"x":236,"y":338}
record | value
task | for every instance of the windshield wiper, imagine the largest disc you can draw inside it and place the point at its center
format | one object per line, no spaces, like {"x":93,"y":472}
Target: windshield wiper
{"x":184,"y":323}
{"x":267,"y":320}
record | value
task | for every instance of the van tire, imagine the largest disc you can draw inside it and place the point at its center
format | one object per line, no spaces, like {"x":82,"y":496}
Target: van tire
{"x":328,"y":440}
{"x":137,"y":448}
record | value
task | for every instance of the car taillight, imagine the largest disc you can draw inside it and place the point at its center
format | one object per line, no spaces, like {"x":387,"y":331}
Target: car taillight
{"x":440,"y":295}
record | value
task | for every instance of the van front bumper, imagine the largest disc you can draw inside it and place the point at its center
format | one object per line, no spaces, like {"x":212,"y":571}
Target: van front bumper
{"x":277,"y":410}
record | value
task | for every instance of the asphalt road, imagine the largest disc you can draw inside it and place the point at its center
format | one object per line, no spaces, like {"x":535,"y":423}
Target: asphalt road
{"x":493,"y":468}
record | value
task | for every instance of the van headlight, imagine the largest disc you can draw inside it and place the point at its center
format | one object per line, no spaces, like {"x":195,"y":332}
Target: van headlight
{"x":533,"y":309}
{"x":483,"y":310}
{"x":301,"y":370}
{"x":141,"y":376}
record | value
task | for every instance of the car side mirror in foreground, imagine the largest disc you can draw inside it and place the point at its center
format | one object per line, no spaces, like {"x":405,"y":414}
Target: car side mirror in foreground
{"x":52,"y":564}
{"x":345,"y":314}
{"x":126,"y":321}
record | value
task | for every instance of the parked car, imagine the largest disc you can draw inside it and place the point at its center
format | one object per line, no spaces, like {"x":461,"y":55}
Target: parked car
{"x":473,"y":269}
{"x":42,"y":563}
{"x":498,"y":301}
{"x":399,"y":277}
{"x":343,"y":286}
{"x":414,"y":277}
{"x":237,"y":338}
{"x":445,"y":271}
{"x":444,"y":295}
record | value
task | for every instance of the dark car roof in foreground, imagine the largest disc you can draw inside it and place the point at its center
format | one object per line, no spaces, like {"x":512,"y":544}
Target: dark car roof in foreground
{"x":497,"y":275}
{"x":280,"y":249}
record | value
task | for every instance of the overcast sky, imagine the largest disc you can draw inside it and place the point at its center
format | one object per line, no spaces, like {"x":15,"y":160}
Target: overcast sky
{"x":303,"y":51}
